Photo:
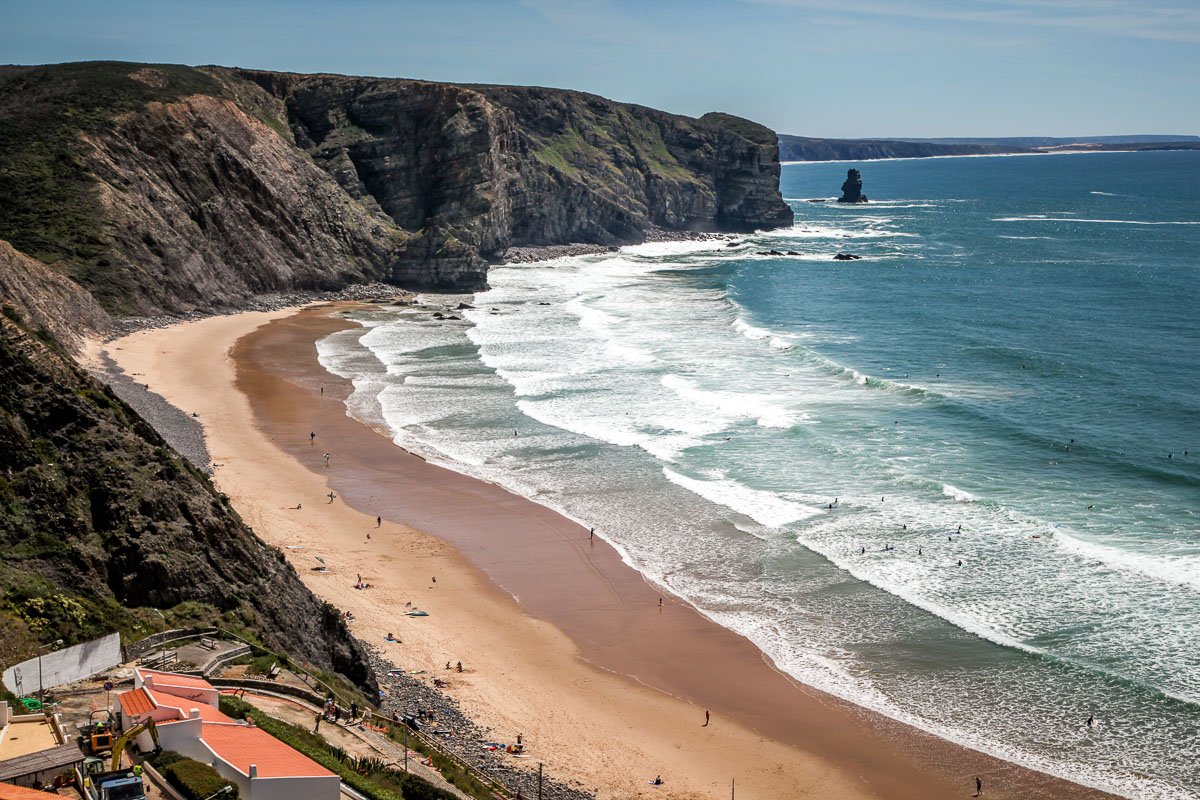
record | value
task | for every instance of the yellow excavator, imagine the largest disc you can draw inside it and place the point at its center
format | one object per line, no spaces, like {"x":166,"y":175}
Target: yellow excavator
{"x":128,"y":736}
{"x":121,"y":784}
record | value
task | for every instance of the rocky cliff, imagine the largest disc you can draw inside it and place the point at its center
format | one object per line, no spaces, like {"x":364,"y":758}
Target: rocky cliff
{"x":473,"y":170}
{"x":162,"y":188}
{"x":100,"y":523}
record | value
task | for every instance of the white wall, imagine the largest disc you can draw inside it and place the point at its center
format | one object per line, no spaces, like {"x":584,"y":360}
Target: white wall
{"x":184,"y":738}
{"x":190,"y":694}
{"x":65,"y":666}
{"x":320,"y":788}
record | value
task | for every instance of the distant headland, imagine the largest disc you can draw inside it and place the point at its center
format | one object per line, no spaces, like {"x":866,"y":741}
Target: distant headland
{"x":802,"y":148}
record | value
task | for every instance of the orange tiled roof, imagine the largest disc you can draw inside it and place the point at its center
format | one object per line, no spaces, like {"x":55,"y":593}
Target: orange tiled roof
{"x":136,"y":702}
{"x":10,"y":792}
{"x":175,"y":679}
{"x":184,"y":706}
{"x":243,"y":745}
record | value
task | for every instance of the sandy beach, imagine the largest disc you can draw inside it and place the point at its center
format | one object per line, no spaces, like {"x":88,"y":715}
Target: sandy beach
{"x":560,"y":640}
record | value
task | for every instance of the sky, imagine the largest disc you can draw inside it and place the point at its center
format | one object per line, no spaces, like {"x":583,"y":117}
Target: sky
{"x":825,"y":68}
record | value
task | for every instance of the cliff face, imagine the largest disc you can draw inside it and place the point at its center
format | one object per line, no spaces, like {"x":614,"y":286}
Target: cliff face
{"x":48,"y":301}
{"x":161,"y":188}
{"x":100,"y":522}
{"x":166,"y":188}
{"x":476,"y":169}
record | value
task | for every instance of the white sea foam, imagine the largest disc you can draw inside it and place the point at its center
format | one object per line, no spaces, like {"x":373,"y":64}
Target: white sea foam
{"x":1043,"y":218}
{"x":750,"y":331}
{"x":958,"y":495}
{"x":733,"y":404}
{"x":765,"y":508}
{"x":661,"y":249}
{"x":1182,"y":570}
{"x":809,"y":230}
{"x":606,"y":325}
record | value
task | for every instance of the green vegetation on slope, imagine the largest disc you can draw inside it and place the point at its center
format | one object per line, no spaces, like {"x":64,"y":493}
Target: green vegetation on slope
{"x":101,"y":523}
{"x":48,"y":206}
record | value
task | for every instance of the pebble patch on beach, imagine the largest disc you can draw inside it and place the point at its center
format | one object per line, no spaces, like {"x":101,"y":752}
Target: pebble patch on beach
{"x":411,"y":695}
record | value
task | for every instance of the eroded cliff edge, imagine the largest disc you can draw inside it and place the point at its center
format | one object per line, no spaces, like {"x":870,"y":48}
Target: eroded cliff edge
{"x":163,"y":188}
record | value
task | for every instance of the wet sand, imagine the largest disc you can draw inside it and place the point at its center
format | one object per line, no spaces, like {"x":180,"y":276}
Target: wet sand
{"x":607,"y":687}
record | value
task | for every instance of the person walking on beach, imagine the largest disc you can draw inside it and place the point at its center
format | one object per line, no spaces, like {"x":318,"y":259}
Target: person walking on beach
{"x":978,"y":786}
{"x":331,"y":497}
{"x":312,"y":435}
{"x":327,"y":459}
{"x":660,"y":602}
{"x":378,"y":522}
{"x":707,"y":717}
{"x":591,"y":534}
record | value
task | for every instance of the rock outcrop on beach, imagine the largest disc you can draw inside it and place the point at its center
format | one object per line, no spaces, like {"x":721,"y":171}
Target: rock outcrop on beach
{"x":103,"y":526}
{"x":162,"y":188}
{"x":852,"y":188}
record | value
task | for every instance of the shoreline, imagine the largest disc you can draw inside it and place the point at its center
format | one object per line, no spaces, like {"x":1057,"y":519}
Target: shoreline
{"x":585,"y":618}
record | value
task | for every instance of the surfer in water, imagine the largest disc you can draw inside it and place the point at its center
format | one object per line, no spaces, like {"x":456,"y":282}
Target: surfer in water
{"x":1091,"y":721}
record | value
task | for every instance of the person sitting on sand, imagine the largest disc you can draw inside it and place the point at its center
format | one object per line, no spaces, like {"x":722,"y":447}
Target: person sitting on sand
{"x":657,"y":780}
{"x":459,"y":667}
{"x":390,"y":638}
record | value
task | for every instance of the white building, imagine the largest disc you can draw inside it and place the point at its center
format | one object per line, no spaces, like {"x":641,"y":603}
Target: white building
{"x":188,"y":721}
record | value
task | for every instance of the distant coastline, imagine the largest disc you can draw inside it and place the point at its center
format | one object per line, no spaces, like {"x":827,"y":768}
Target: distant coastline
{"x":983,"y":155}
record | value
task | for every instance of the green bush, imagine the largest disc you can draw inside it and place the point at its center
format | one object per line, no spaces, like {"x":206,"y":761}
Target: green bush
{"x":262,"y":665}
{"x":196,"y":781}
{"x":165,"y":758}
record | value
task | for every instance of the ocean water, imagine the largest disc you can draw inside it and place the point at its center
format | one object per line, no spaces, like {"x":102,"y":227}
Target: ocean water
{"x":1007,"y":379}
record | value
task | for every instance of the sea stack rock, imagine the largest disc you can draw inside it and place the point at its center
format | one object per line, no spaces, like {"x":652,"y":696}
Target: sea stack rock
{"x":852,"y":188}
